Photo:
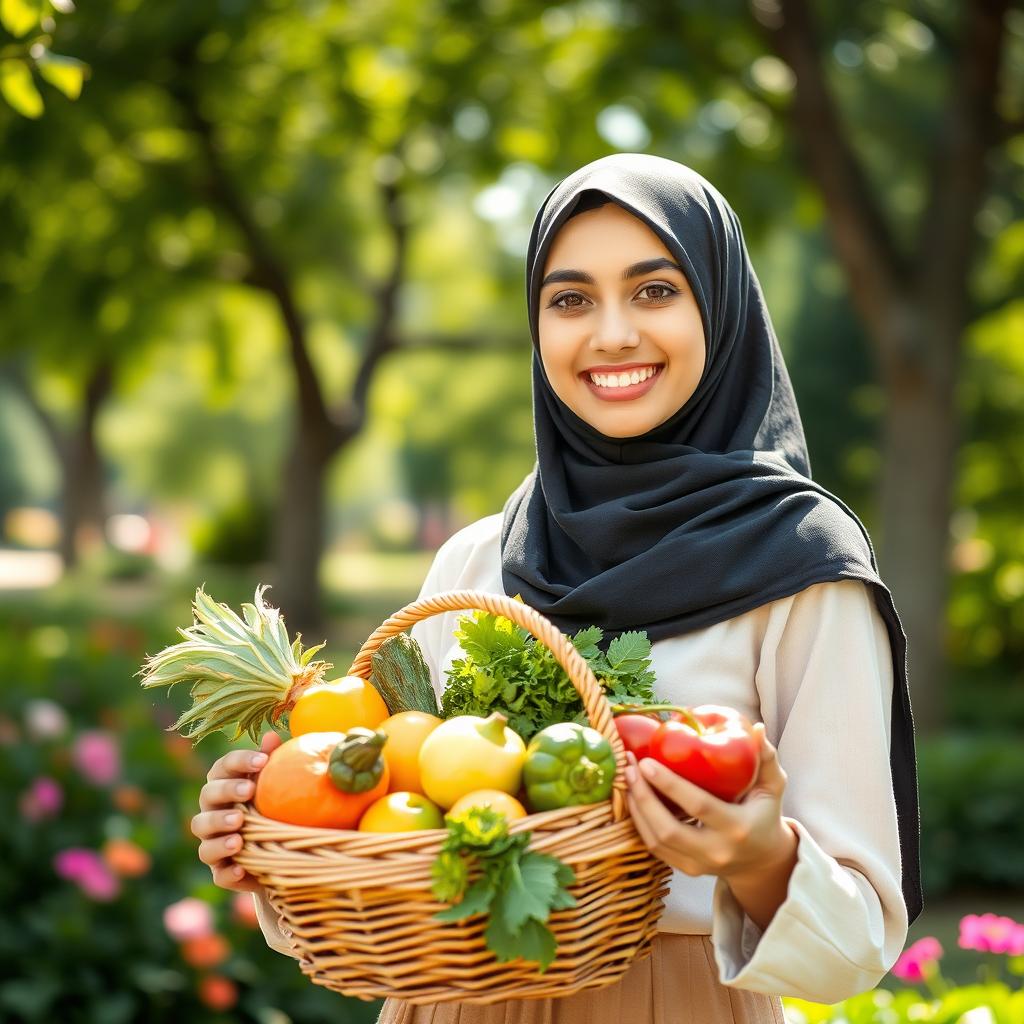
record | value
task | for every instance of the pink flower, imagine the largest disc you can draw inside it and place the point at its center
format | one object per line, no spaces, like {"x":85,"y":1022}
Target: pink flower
{"x":43,"y":799}
{"x":188,"y":919}
{"x":97,"y":757}
{"x":45,"y":719}
{"x":243,"y":909}
{"x":86,"y":869}
{"x":912,"y":963}
{"x":989,"y":933}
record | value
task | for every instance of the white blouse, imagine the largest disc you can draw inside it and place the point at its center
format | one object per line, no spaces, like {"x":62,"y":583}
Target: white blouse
{"x":816,"y":668}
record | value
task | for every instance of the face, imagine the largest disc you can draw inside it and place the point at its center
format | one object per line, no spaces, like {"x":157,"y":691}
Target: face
{"x":621,"y":337}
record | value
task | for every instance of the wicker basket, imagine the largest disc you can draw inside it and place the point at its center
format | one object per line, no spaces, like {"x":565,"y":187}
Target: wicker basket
{"x":358,"y":909}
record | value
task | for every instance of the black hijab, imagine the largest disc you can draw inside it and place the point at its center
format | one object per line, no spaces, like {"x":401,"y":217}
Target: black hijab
{"x":712,"y":513}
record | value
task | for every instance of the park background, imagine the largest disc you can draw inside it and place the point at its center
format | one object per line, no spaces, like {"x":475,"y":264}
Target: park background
{"x":263,"y":320}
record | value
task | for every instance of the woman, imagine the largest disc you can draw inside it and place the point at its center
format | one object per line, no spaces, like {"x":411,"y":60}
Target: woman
{"x":672,"y":493}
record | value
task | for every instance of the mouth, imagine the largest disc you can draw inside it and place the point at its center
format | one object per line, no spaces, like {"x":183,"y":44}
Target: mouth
{"x":622,"y":383}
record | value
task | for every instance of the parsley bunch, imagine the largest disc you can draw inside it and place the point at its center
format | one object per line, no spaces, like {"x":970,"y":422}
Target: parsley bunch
{"x":506,"y":669}
{"x":516,"y":887}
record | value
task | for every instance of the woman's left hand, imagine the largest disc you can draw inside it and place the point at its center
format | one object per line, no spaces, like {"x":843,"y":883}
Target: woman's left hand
{"x":730,"y":839}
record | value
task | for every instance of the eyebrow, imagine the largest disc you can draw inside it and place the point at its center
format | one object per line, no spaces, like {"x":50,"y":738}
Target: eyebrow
{"x":634,"y":270}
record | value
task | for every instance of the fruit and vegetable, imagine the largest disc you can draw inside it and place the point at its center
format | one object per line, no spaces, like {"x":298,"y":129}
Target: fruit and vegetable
{"x":467,"y":753}
{"x":568,"y":764}
{"x":509,"y":739}
{"x":713,"y":746}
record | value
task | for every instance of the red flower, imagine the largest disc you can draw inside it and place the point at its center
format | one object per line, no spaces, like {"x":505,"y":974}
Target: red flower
{"x":205,"y":950}
{"x":218,"y":992}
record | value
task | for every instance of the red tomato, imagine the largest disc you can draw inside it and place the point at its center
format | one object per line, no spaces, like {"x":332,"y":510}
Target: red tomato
{"x":723,"y":758}
{"x":636,"y":731}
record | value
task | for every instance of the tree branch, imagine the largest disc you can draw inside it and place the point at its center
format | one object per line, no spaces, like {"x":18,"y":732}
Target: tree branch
{"x":863,"y":241}
{"x":382,"y":338}
{"x":266,"y":268}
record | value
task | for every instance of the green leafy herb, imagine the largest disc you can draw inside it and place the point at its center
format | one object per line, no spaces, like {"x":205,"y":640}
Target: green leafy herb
{"x":516,"y":887}
{"x":506,"y":669}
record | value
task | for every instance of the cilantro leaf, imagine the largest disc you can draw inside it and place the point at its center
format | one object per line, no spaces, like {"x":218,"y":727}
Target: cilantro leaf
{"x":506,"y":669}
{"x":476,"y":901}
{"x":516,"y":888}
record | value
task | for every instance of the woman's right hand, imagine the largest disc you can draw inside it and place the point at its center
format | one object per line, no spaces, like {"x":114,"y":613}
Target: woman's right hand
{"x":231,"y":779}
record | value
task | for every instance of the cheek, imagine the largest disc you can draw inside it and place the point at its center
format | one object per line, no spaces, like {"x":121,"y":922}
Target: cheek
{"x":557,"y":353}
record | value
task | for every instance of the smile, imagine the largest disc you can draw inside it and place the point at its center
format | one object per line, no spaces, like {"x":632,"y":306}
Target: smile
{"x":622,"y":380}
{"x":628,"y":383}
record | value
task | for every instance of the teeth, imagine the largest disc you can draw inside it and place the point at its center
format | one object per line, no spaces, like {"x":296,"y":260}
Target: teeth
{"x":622,"y":380}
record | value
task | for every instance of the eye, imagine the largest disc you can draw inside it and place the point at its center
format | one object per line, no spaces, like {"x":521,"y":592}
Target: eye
{"x":561,"y":297}
{"x":668,"y":291}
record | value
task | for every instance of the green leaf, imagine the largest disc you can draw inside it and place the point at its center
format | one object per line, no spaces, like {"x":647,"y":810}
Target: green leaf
{"x":19,"y":17}
{"x":529,"y":888}
{"x":632,"y":646}
{"x":476,"y":901}
{"x":64,"y":73}
{"x":19,"y":89}
{"x":534,"y":941}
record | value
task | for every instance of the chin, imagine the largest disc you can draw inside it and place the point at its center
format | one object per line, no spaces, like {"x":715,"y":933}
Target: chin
{"x":623,"y":428}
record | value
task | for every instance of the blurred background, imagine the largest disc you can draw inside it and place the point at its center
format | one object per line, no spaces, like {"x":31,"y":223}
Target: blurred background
{"x":263,"y":320}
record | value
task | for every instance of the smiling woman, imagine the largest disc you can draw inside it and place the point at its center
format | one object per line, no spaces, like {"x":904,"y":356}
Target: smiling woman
{"x":672,"y":493}
{"x":625,"y":348}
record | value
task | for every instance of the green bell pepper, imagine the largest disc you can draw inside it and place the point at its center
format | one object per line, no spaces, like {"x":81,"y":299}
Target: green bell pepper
{"x":567,"y":764}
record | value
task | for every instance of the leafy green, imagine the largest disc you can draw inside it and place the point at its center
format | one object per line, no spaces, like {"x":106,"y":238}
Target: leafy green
{"x":506,"y":669}
{"x":517,"y":888}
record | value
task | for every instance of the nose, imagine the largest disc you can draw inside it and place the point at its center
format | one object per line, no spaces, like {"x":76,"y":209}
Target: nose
{"x":615,"y":332}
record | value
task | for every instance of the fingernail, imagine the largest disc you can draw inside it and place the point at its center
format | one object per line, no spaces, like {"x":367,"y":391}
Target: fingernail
{"x":237,"y":871}
{"x":648,"y":768}
{"x":242,"y":788}
{"x":257,"y":760}
{"x":234,"y":818}
{"x":233,"y":843}
{"x":630,"y":774}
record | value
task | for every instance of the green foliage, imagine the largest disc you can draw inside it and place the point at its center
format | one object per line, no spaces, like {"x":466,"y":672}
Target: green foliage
{"x":33,"y":24}
{"x":239,"y":534}
{"x":1004,"y":1006}
{"x":70,"y":957}
{"x":517,"y":888}
{"x":506,"y":669}
{"x":972,"y":812}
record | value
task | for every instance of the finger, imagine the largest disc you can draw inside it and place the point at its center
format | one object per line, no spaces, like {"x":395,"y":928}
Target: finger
{"x":771,"y":775}
{"x":270,"y":741}
{"x":233,"y":877}
{"x":661,"y":826}
{"x":225,"y":792}
{"x":691,"y":798}
{"x":223,"y":848}
{"x":236,"y":763}
{"x":208,"y":824}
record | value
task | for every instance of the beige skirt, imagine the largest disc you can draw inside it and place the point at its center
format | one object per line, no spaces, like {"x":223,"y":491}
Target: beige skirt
{"x":677,"y":984}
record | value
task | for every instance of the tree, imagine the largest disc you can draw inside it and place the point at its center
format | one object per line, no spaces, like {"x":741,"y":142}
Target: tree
{"x":913,"y":299}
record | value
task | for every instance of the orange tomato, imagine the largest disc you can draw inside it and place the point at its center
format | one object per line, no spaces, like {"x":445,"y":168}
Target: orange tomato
{"x":495,"y":799}
{"x":401,"y":812}
{"x":295,"y":785}
{"x":406,"y":732}
{"x":337,"y":706}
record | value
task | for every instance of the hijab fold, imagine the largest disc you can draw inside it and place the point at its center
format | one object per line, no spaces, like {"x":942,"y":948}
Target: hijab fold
{"x":711,"y":513}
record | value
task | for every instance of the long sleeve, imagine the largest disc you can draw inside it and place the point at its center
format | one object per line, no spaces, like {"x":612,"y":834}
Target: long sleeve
{"x":267,"y":918}
{"x":825,"y":683}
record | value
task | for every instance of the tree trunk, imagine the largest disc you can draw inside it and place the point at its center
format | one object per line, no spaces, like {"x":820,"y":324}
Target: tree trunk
{"x":919,"y":442}
{"x":83,"y":509}
{"x":300,"y":529}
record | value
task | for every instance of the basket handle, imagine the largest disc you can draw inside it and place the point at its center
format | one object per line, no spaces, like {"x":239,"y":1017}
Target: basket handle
{"x":580,"y":675}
